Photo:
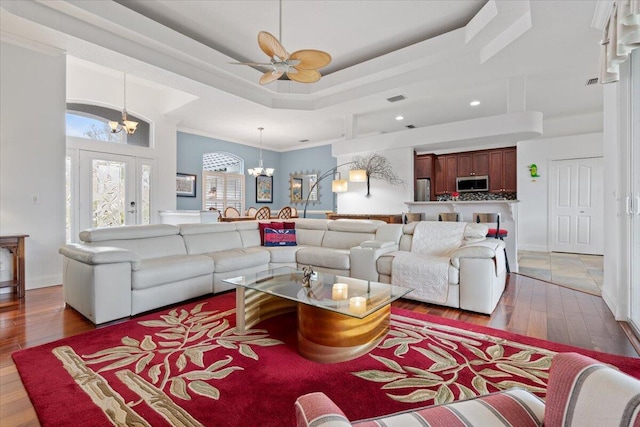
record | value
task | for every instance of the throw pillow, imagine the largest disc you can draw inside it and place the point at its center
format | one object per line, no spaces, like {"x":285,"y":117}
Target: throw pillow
{"x":289,"y":225}
{"x":263,"y":225}
{"x":279,"y":237}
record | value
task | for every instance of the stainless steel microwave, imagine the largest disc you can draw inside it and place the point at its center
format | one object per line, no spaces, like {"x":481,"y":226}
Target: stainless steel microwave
{"x":472,"y":183}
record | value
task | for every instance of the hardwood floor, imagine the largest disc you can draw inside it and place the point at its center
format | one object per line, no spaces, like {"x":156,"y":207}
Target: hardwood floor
{"x":528,"y":307}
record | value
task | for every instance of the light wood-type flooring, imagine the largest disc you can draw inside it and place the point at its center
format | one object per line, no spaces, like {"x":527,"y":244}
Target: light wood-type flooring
{"x":528,"y":306}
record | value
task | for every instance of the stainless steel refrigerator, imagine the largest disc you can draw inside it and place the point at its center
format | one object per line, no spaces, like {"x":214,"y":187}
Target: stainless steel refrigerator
{"x":423,"y":190}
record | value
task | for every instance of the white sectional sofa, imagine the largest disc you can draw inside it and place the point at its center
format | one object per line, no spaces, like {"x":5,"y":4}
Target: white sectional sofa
{"x":476,"y":273}
{"x":119,"y":272}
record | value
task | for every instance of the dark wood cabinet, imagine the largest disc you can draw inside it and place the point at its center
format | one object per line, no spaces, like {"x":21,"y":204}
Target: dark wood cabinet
{"x":446,"y":172}
{"x":503,"y":170}
{"x":499,"y":164}
{"x":510,"y":170}
{"x":423,"y":166}
{"x":473,"y":163}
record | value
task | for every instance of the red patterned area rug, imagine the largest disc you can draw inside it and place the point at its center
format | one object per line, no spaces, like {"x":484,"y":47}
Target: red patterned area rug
{"x":187,"y":366}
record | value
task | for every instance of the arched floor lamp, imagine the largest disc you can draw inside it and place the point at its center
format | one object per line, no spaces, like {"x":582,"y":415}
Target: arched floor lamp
{"x":338,"y":185}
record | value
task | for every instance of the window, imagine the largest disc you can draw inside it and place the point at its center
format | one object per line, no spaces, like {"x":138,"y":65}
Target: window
{"x":222,"y":190}
{"x":92,"y":122}
{"x":222,"y":181}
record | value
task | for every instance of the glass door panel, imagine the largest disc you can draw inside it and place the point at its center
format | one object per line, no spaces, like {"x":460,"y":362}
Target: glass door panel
{"x":107,"y":190}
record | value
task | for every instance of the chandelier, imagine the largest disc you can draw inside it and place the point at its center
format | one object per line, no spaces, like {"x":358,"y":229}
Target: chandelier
{"x":128,"y":125}
{"x":261,"y":170}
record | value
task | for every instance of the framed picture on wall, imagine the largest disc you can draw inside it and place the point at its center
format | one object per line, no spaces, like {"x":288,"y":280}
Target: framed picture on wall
{"x":296,"y":189}
{"x":185,"y":185}
{"x":264,"y":189}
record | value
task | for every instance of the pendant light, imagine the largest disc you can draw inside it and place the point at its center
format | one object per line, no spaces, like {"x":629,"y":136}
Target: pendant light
{"x":128,"y":125}
{"x":261,"y":170}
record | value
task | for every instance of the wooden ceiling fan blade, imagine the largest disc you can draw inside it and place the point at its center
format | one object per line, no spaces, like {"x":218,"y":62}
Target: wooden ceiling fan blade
{"x":304,"y":76}
{"x":311,"y":59}
{"x":271,"y":46}
{"x":270,"y":76}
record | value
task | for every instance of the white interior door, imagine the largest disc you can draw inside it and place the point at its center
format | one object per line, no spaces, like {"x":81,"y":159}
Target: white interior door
{"x":576,"y":218}
{"x":107,"y":190}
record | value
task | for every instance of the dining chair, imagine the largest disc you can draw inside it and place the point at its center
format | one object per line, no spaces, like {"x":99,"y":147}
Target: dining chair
{"x":497,"y":232}
{"x":263,"y":213}
{"x":251,"y":211}
{"x":449,"y":216}
{"x":294,"y":212}
{"x":231,"y":212}
{"x":285,"y":213}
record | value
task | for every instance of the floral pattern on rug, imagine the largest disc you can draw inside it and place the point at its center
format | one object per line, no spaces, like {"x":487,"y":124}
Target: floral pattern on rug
{"x":447,"y":353}
{"x":167,"y":362}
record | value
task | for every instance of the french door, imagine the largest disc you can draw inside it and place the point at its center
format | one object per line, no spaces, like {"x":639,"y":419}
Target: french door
{"x":576,"y":206}
{"x":113,"y":190}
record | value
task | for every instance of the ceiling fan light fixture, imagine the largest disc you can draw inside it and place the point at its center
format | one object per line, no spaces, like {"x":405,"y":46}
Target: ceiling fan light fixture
{"x":300,"y":66}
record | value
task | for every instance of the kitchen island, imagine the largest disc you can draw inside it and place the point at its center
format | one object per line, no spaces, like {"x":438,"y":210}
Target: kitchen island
{"x":508,"y":210}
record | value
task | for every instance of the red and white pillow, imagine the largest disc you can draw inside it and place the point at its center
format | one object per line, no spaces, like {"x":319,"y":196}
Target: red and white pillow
{"x":280,"y":234}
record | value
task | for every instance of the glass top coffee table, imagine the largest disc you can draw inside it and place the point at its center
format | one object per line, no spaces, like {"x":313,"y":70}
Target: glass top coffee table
{"x":339,"y":318}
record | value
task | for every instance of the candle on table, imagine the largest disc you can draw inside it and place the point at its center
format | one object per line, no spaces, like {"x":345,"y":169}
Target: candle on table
{"x":358,"y":305}
{"x":339,"y":291}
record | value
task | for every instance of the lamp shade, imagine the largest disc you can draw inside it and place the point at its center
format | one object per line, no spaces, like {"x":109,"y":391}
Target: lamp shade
{"x":358,"y":175}
{"x":339,"y":185}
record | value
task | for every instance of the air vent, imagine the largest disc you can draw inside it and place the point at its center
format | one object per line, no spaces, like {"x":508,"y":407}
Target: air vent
{"x":396,"y":98}
{"x":410,"y":126}
{"x":592,"y":81}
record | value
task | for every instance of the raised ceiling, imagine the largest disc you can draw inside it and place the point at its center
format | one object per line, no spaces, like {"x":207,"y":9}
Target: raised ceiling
{"x":440,"y":55}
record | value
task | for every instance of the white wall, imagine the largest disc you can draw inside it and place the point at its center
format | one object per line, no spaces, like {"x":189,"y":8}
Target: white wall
{"x":32,"y":153}
{"x":533,"y":195}
{"x":385,"y":198}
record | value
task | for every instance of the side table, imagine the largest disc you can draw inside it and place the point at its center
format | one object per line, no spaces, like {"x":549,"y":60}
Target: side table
{"x":15,"y":244}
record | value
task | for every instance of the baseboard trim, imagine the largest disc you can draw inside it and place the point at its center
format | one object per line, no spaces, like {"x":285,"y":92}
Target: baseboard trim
{"x":43,"y":281}
{"x":533,"y":248}
{"x":633,"y":338}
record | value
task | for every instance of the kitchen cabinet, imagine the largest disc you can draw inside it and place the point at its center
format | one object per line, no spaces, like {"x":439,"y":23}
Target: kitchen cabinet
{"x":446,"y":172}
{"x":498,"y":164}
{"x":503,"y":170}
{"x":423,"y":166}
{"x":473,"y":163}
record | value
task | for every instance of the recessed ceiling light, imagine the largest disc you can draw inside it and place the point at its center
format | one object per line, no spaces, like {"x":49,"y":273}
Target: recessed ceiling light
{"x":474,"y":103}
{"x":399,"y":118}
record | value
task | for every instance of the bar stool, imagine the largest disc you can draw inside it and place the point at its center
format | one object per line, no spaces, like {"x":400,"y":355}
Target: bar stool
{"x":449,"y":216}
{"x":496,"y":233}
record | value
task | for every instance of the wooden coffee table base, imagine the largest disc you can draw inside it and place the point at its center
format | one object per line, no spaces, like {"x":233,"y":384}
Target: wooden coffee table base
{"x":329,"y":337}
{"x":323,"y":336}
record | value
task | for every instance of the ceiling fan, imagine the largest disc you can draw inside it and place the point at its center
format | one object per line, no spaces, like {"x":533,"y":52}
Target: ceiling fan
{"x":300,"y":66}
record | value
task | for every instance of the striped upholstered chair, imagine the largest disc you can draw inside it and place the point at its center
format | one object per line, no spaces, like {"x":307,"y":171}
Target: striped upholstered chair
{"x":581,"y":392}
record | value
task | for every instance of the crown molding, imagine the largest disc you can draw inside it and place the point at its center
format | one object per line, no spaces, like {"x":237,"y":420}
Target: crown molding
{"x":601,"y":14}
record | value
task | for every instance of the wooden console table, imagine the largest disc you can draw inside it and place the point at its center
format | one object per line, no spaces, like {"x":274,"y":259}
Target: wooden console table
{"x":391,"y":219}
{"x":15,"y":244}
